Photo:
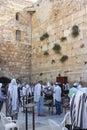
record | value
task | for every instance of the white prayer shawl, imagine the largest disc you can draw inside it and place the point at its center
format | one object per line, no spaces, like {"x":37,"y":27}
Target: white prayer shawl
{"x":0,"y":86}
{"x":84,"y":90}
{"x":85,"y":116}
{"x":13,"y":91}
{"x":28,"y":89}
{"x":78,"y":108}
{"x":79,"y":86}
{"x":79,"y":117}
{"x":10,"y":90}
{"x":37,"y":92}
{"x":24,"y":90}
{"x":15,"y":97}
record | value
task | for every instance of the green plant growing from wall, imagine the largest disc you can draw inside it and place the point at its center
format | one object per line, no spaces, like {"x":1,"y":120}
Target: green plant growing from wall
{"x":82,"y":46}
{"x":44,"y":36}
{"x":41,"y":74}
{"x":57,"y":48}
{"x":53,"y":61}
{"x":75,"y":31}
{"x":63,"y":39}
{"x":46,"y":53}
{"x":64,"y":58}
{"x":41,"y":38}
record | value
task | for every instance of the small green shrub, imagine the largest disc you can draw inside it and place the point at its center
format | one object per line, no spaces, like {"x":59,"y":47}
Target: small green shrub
{"x":41,"y":38}
{"x":46,"y":53}
{"x":64,"y":58}
{"x":45,"y":35}
{"x":53,"y":61}
{"x":75,"y":31}
{"x":41,"y":74}
{"x":63,"y":39}
{"x":82,"y":46}
{"x":57,"y":48}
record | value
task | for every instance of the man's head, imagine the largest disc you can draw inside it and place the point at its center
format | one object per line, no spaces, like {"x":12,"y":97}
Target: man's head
{"x":75,"y":85}
{"x":40,"y":81}
{"x":56,"y":83}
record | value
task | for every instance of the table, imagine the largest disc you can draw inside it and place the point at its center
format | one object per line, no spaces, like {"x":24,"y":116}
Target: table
{"x":30,"y":105}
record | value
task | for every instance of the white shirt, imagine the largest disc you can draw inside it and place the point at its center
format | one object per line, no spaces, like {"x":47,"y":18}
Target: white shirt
{"x":79,"y":86}
{"x":57,"y":93}
{"x":24,"y":91}
{"x":37,"y":92}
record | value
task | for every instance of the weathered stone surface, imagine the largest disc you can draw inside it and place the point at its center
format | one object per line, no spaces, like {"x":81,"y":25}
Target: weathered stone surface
{"x":25,"y":59}
{"x":57,"y":17}
{"x":15,"y":56}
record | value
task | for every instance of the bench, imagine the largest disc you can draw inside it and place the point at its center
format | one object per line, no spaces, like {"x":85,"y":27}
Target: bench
{"x":8,"y":123}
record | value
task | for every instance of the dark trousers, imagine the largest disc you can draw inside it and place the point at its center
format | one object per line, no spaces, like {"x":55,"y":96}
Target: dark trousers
{"x":58,"y":107}
{"x":1,"y":105}
{"x":77,"y":128}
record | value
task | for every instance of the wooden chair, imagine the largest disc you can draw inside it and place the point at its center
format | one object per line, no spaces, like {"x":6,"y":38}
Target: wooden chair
{"x":8,"y":123}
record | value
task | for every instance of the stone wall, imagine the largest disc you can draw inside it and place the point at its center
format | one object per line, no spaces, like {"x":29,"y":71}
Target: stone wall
{"x":15,"y":55}
{"x":26,"y":58}
{"x":57,"y":17}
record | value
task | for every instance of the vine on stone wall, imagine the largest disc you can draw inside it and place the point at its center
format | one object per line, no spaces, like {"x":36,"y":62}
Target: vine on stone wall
{"x":53,"y":61}
{"x":41,"y":74}
{"x":57,"y":48}
{"x":64,"y":58}
{"x":63,"y":39}
{"x":44,"y":36}
{"x":75,"y":31}
{"x":82,"y":46}
{"x":46,"y":53}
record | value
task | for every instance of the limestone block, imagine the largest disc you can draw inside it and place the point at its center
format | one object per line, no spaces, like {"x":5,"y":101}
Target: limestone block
{"x":66,"y":32}
{"x":82,"y":12}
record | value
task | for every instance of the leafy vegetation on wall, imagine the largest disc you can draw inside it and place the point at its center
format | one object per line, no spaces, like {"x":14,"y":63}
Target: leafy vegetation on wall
{"x":82,"y":46}
{"x":57,"y":48}
{"x":46,"y":53}
{"x":75,"y":31}
{"x":44,"y":36}
{"x":41,"y":74}
{"x":53,"y":61}
{"x":63,"y":39}
{"x":64,"y":58}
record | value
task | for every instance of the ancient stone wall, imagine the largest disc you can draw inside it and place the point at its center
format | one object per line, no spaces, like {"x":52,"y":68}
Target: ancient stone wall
{"x":51,"y":24}
{"x":15,"y":54}
{"x":57,"y":18}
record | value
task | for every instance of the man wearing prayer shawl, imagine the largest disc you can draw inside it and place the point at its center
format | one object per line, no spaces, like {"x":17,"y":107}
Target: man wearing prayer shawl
{"x":13,"y":102}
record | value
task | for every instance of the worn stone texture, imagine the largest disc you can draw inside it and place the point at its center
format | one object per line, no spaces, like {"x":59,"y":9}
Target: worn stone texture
{"x":25,"y":59}
{"x":15,"y":55}
{"x":57,"y":17}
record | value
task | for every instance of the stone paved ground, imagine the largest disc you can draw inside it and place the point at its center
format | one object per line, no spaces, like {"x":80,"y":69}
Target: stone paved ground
{"x":41,"y":123}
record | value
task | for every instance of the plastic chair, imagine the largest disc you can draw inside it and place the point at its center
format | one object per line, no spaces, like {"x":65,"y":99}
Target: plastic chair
{"x":8,"y":123}
{"x":53,"y":125}
{"x":66,"y":120}
{"x":64,"y":128}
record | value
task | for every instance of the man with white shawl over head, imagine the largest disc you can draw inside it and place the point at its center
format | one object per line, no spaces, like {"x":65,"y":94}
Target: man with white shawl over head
{"x":13,"y":102}
{"x":78,"y":109}
{"x":2,"y":97}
